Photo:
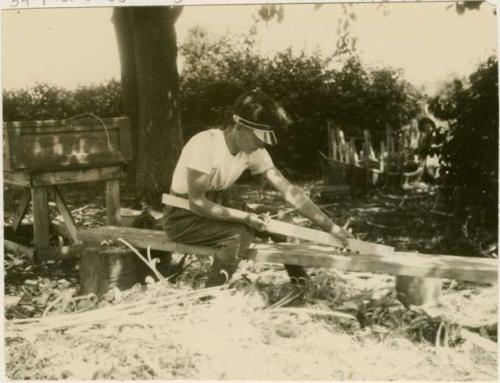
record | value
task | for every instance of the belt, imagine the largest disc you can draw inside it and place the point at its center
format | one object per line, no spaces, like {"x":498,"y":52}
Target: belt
{"x":179,"y":194}
{"x":211,"y":194}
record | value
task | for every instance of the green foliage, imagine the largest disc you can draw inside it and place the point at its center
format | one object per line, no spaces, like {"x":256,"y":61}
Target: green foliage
{"x":42,"y":102}
{"x":470,"y":157}
{"x":217,"y":70}
{"x":47,"y":102}
{"x":268,"y":12}
{"x":462,"y":6}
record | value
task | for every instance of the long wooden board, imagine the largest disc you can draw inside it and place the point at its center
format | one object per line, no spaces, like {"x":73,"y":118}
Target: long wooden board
{"x":402,"y":263}
{"x":295,"y":231}
{"x":411,"y":264}
{"x":141,"y":238}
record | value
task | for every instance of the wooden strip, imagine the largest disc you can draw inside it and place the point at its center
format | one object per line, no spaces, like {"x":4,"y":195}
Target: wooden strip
{"x":16,"y":248}
{"x":113,"y":202}
{"x":478,"y":340}
{"x":40,"y":220}
{"x":16,"y":179}
{"x":75,"y":176}
{"x":142,"y":238}
{"x":288,"y":229}
{"x":411,"y":264}
{"x":21,"y":210}
{"x":68,"y":218}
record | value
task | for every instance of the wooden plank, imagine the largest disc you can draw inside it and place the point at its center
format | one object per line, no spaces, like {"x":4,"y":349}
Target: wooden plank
{"x":21,"y":210}
{"x":17,"y":248}
{"x":411,"y":264}
{"x":75,"y":176}
{"x":113,"y":202}
{"x":283,"y":228}
{"x":66,"y":214}
{"x":40,"y":220}
{"x":16,"y":179}
{"x":142,"y":238}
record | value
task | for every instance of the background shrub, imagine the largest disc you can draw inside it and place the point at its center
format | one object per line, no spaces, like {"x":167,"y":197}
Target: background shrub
{"x":470,"y":156}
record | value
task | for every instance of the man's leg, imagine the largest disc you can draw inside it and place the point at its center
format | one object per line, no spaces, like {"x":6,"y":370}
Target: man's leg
{"x":233,"y":239}
{"x":297,"y":274}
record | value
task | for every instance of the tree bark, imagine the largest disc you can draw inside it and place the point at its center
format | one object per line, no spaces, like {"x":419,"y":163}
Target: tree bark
{"x":123,"y":30}
{"x":148,"y":36}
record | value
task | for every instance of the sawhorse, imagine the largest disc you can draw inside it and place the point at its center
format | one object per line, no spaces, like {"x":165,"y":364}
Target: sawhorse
{"x":39,"y":184}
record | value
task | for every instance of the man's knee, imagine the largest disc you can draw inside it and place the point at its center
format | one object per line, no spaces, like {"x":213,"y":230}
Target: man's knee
{"x":236,"y":247}
{"x":246,"y":236}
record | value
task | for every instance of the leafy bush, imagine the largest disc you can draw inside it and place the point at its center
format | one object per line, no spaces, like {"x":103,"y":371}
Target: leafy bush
{"x":217,"y":70}
{"x":47,"y":102}
{"x":470,"y":157}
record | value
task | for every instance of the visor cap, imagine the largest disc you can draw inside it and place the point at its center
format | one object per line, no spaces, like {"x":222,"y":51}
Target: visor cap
{"x":260,"y":111}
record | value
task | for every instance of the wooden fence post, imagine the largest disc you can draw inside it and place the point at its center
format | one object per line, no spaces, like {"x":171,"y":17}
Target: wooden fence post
{"x":366,"y":157}
{"x":332,"y":147}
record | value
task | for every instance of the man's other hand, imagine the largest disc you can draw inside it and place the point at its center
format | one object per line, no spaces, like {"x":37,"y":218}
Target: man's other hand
{"x":341,"y":234}
{"x":258,"y":222}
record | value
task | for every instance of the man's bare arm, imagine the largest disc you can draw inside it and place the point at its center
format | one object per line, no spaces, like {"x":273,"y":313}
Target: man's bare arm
{"x":198,"y":184}
{"x":297,"y":197}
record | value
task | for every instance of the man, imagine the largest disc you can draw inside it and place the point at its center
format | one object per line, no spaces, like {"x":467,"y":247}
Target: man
{"x":211,"y":162}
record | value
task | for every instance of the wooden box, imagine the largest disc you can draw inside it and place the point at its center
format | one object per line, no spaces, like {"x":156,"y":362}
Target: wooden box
{"x":60,"y":143}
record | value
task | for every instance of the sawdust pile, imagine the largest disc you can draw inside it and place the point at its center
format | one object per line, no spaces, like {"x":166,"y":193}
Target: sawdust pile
{"x":227,"y":333}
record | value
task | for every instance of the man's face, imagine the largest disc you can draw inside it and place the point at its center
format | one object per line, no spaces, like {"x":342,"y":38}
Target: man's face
{"x":248,"y":141}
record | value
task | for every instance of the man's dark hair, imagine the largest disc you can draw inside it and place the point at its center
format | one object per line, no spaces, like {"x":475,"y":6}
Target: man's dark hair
{"x":259,"y":108}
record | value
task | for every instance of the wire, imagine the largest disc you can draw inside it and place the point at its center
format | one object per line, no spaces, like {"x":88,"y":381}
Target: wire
{"x":108,"y":140}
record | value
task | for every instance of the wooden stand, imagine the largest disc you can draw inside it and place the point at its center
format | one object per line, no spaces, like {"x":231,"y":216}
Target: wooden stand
{"x":418,"y":291}
{"x":37,"y":187}
{"x":102,"y":268}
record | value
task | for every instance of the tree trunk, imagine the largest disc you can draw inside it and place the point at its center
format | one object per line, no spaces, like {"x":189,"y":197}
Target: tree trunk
{"x":151,"y":40}
{"x":123,"y":30}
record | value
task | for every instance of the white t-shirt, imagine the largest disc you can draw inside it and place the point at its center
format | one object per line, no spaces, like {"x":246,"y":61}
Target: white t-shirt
{"x":207,"y":152}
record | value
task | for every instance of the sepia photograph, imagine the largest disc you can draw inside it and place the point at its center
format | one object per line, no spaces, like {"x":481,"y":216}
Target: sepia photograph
{"x":276,"y":191}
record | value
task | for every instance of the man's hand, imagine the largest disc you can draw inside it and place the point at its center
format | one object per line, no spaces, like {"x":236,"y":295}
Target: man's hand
{"x":341,"y":234}
{"x":258,"y":222}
